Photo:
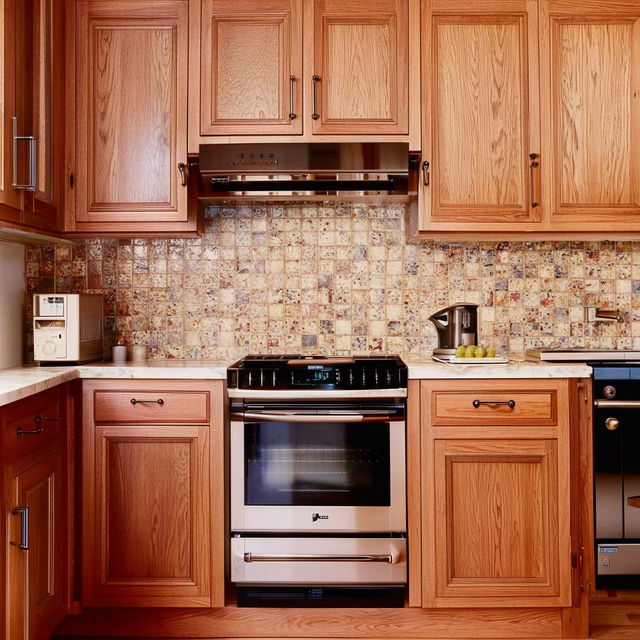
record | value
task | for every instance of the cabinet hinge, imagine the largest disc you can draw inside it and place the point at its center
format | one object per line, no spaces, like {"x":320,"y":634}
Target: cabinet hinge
{"x":72,"y":180}
{"x":574,"y":560}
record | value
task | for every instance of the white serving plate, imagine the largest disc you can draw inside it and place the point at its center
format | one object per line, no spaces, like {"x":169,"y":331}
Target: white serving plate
{"x":455,"y":360}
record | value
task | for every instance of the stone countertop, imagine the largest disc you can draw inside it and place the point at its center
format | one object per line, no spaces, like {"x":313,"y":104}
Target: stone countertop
{"x":515,"y":368}
{"x":20,"y":382}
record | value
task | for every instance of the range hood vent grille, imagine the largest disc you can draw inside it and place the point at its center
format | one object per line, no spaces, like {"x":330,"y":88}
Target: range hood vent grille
{"x":297,"y":171}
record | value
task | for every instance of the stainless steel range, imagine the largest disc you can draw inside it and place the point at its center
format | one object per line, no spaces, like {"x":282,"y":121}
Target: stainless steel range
{"x":318,"y":497}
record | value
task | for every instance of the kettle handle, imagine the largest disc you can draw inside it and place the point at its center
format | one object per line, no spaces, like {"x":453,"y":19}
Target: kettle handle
{"x":435,"y":318}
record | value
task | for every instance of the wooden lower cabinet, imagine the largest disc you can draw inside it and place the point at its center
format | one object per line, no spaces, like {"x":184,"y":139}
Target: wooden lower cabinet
{"x":36,"y":600}
{"x":35,"y":586}
{"x":497,"y":516}
{"x":152,"y":497}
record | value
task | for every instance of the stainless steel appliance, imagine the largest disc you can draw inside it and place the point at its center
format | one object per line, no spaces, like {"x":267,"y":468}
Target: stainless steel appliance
{"x":456,"y":325}
{"x":305,"y":170}
{"x":318,"y":498}
{"x":616,"y":444}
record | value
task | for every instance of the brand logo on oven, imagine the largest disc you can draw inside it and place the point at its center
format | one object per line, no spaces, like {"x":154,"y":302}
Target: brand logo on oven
{"x":316,"y":516}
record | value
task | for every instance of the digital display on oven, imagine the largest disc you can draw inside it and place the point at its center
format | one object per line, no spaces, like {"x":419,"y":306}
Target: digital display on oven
{"x":313,"y":375}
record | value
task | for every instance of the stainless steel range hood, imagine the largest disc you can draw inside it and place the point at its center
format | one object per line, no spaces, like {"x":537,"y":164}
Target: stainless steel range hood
{"x":299,"y":171}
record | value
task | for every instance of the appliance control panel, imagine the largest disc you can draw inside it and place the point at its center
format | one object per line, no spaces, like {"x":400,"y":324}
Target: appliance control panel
{"x":50,"y":306}
{"x":50,"y":340}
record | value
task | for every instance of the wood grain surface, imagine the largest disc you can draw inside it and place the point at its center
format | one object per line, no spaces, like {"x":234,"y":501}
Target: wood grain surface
{"x":233,"y":622}
{"x":480,"y":133}
{"x":153,"y":516}
{"x":177,"y":407}
{"x":507,"y":490}
{"x":131,"y":98}
{"x":249,"y":51}
{"x":360,"y":53}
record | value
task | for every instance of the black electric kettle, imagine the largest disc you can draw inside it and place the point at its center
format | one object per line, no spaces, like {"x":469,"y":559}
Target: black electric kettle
{"x":456,"y":325}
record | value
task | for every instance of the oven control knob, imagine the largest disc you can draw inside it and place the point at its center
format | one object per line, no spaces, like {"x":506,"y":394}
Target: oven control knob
{"x":609,"y":391}
{"x":612,"y":423}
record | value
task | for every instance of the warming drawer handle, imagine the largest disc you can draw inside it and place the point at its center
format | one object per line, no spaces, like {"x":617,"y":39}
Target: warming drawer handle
{"x":318,"y":557}
{"x":302,"y":417}
{"x":617,"y":404}
{"x":159,"y":401}
{"x":509,"y":403}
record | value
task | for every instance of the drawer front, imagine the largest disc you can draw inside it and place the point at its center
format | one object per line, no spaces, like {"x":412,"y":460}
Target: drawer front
{"x":484,"y":408}
{"x":32,"y":423}
{"x":151,"y":407}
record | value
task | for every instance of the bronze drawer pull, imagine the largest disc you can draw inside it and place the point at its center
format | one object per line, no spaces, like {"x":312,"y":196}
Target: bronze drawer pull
{"x":24,"y":432}
{"x":509,"y":403}
{"x":292,"y":113}
{"x":160,"y":401}
{"x":315,"y":78}
{"x":533,"y":165}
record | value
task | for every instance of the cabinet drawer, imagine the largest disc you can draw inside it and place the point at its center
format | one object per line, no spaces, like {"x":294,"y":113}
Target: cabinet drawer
{"x":481,"y":408}
{"x":42,"y":414}
{"x":144,"y":406}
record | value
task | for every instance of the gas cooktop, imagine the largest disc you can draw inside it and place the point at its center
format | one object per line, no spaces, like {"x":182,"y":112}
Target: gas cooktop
{"x":298,"y":371}
{"x":583,"y":355}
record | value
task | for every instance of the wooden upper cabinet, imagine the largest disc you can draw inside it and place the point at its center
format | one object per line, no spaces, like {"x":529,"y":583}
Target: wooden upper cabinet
{"x":480,"y":115}
{"x":360,"y":67}
{"x":10,"y":198}
{"x":40,"y":85}
{"x":251,"y":67}
{"x":131,"y":93}
{"x":590,"y":54}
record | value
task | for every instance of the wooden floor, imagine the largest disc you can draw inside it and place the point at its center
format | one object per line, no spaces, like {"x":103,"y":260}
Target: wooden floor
{"x":613,"y":618}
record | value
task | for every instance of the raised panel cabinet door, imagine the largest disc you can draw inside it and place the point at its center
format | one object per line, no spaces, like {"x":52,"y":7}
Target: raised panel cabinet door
{"x":251,"y":67}
{"x":41,"y":52}
{"x":591,"y":100}
{"x":131,"y":93}
{"x":360,"y":70}
{"x":35,"y":585}
{"x":480,"y":106}
{"x":148,"y":530}
{"x":10,"y":198}
{"x":498,"y":529}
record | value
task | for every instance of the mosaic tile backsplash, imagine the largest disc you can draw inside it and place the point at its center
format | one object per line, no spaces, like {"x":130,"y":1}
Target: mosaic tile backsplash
{"x":340,"y":279}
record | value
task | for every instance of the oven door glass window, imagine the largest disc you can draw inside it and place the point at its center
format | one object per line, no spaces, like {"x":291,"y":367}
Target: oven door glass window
{"x":317,"y":464}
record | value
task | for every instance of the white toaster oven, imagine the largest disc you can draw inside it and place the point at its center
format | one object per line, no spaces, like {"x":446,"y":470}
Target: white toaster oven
{"x":67,"y":327}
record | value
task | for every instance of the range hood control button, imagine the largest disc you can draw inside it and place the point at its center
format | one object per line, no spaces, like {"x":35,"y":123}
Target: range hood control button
{"x":609,"y":391}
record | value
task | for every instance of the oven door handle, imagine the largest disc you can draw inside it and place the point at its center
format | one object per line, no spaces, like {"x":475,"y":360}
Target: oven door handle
{"x":314,"y":417}
{"x":320,"y":557}
{"x":617,"y":404}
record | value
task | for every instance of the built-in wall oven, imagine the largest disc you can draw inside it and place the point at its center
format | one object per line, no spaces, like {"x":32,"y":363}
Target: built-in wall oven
{"x":616,"y":454}
{"x":318,"y":482}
